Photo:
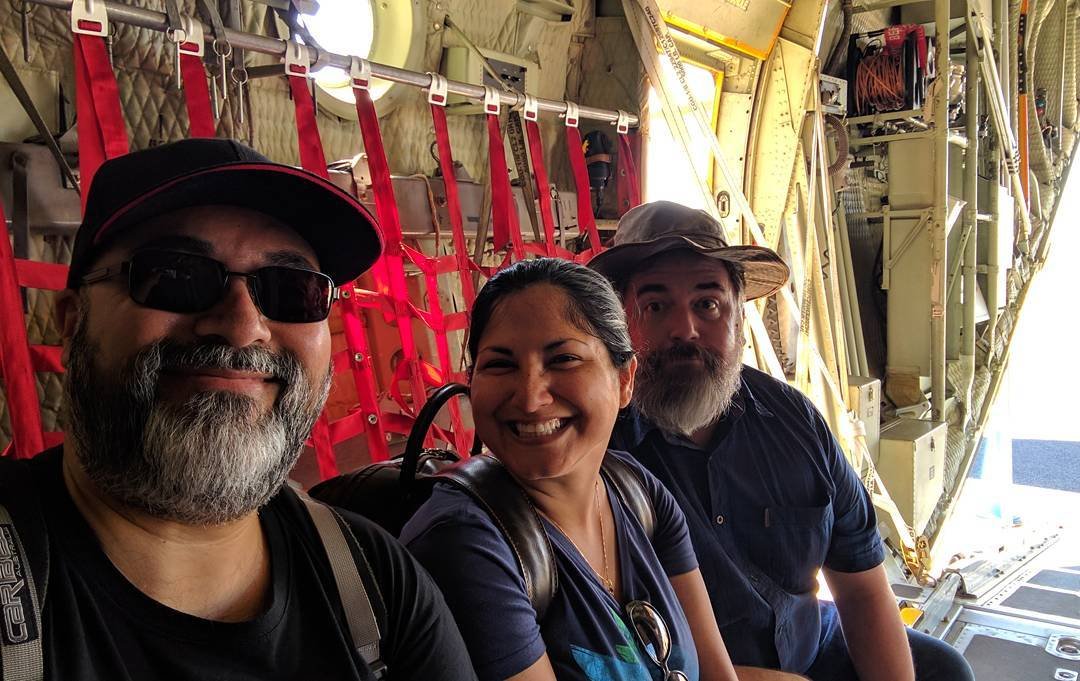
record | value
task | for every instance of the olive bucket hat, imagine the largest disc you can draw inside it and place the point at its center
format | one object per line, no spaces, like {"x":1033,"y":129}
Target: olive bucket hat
{"x":651,"y":229}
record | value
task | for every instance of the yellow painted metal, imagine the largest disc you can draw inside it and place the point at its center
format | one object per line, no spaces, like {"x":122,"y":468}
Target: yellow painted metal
{"x":739,"y":25}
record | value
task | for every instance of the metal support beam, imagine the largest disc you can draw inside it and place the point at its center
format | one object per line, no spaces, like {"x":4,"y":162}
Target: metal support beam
{"x":145,"y":18}
{"x":971,"y":195}
{"x":938,"y":226}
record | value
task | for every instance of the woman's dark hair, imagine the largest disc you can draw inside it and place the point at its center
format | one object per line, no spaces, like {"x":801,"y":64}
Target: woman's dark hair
{"x":593,"y":305}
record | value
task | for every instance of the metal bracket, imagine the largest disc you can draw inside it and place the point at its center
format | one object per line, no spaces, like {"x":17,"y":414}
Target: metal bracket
{"x":360,"y":72}
{"x":531,"y":109}
{"x":438,"y":90}
{"x":297,"y":59}
{"x":622,"y":123}
{"x":195,"y":41}
{"x":89,"y":17}
{"x":492,"y":101}
{"x":572,"y":115}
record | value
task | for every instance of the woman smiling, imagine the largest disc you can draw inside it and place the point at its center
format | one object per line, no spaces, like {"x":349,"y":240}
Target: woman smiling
{"x":552,"y":366}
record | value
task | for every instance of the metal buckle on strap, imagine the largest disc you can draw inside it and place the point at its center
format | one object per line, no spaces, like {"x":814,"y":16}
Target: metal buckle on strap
{"x":438,"y":89}
{"x":195,"y":41}
{"x":297,"y":59}
{"x":531,"y":108}
{"x":572,"y":115}
{"x":622,"y":124}
{"x":492,"y":101}
{"x":89,"y":17}
{"x":360,"y":73}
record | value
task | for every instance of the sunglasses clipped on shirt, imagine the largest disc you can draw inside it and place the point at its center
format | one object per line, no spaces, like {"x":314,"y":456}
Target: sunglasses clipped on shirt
{"x":653,"y":636}
{"x":186,"y":283}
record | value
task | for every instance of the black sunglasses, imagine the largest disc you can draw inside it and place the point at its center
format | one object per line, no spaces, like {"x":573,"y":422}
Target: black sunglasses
{"x":186,"y":283}
{"x":653,"y":636}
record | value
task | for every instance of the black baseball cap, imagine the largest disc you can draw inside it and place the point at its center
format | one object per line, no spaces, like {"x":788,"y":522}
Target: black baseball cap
{"x":128,"y":190}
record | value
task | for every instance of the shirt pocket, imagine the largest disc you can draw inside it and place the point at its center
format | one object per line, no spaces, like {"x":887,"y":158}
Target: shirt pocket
{"x":793,"y":543}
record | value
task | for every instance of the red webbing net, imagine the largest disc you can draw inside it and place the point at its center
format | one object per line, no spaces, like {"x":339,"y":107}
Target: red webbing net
{"x":390,"y":301}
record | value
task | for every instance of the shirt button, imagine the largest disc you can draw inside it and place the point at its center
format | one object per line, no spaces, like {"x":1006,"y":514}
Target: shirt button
{"x":719,"y":520}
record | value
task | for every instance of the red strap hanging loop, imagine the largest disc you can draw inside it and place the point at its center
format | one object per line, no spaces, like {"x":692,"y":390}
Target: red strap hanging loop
{"x":102,"y":134}
{"x":543,"y":188}
{"x":576,"y":153}
{"x":196,"y":92}
{"x":297,"y":66}
{"x":16,"y":367}
{"x":504,"y":220}
{"x":629,"y":191}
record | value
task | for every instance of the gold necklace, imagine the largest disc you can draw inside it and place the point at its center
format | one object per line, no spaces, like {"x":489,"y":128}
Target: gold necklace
{"x":604,"y":579}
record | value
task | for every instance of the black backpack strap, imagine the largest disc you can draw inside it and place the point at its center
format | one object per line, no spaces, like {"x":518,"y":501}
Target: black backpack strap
{"x":631,"y":490}
{"x":486,"y":480}
{"x":359,"y":614}
{"x":22,"y":557}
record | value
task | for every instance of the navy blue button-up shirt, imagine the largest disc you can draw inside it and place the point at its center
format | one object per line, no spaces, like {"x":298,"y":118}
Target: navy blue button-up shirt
{"x":769,"y":502}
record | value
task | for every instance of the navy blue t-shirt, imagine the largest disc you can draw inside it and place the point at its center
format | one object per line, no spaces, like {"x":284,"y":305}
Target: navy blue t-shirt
{"x":769,"y":502}
{"x":584,"y":632}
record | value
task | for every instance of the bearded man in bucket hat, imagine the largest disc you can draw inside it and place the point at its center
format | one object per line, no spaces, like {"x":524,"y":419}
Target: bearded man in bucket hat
{"x":767,"y":493}
{"x":198,"y":357}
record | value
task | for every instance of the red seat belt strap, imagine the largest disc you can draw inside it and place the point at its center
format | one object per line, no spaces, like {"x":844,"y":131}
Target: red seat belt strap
{"x":629,"y":191}
{"x":16,"y":367}
{"x":543,"y":188}
{"x":504,"y":220}
{"x":390,"y":223}
{"x":102,"y":134}
{"x":576,"y":154}
{"x":297,"y":65}
{"x":196,"y":91}
{"x":453,"y":202}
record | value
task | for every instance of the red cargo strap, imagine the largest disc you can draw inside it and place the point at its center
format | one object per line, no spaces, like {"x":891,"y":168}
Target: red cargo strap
{"x":15,"y":365}
{"x":363,"y":376}
{"x":102,"y":134}
{"x":297,"y":63}
{"x":504,"y":220}
{"x":390,"y":222}
{"x":543,"y":188}
{"x":196,"y":91}
{"x":629,"y":192}
{"x":576,"y":153}
{"x":453,"y":203}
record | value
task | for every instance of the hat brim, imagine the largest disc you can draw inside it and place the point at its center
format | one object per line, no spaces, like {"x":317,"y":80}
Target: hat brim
{"x":343,"y":234}
{"x":764,"y":271}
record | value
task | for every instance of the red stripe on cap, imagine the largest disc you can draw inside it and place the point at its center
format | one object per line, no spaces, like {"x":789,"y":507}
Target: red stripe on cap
{"x":287,"y":170}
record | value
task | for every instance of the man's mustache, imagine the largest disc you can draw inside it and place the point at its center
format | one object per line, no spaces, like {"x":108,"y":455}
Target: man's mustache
{"x":169,"y":355}
{"x":658,"y":360}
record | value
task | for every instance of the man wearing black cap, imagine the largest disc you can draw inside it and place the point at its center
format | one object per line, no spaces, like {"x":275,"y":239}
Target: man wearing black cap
{"x":767,"y":493}
{"x":198,"y":357}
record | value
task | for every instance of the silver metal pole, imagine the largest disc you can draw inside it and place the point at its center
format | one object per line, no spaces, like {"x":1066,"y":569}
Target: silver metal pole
{"x":145,"y":18}
{"x":938,"y":236}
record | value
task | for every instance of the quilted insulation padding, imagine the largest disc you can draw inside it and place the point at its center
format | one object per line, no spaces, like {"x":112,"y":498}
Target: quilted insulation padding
{"x":1045,"y":59}
{"x":608,"y":68}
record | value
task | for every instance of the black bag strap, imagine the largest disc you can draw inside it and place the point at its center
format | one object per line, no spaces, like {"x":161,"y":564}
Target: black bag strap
{"x":22,"y":558}
{"x":630,"y":489}
{"x":359,"y":615}
{"x":488,"y":482}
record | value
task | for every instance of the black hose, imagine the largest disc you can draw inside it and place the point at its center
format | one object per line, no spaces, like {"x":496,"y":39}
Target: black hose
{"x":833,"y":67}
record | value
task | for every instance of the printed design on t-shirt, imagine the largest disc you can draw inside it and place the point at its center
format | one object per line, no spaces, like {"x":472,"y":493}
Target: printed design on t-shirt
{"x":628,"y":663}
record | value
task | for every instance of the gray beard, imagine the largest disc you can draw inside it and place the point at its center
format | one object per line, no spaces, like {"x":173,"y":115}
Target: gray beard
{"x":210,"y":459}
{"x":683,"y":398}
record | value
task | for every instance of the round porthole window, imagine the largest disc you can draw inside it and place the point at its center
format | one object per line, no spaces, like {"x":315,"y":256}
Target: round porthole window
{"x":389,"y":32}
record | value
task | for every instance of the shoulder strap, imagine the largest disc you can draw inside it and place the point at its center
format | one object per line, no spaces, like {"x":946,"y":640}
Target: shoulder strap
{"x":486,"y":480}
{"x":631,"y":491}
{"x":354,"y":598}
{"x":22,"y":599}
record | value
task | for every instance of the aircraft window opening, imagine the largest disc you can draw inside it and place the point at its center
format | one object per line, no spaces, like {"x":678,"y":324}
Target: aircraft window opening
{"x":390,"y":33}
{"x":344,"y":27}
{"x":669,"y":173}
